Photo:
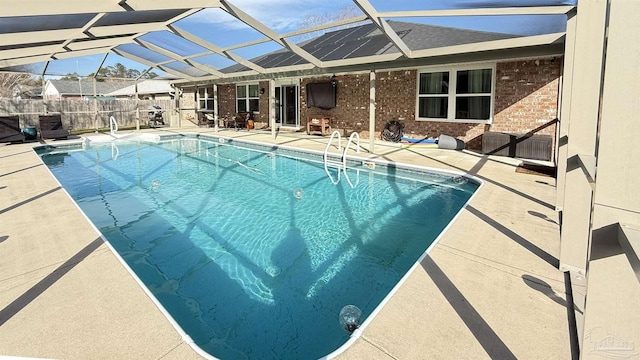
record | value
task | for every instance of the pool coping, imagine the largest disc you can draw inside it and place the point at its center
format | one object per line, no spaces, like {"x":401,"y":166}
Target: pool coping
{"x":183,"y":334}
{"x":381,"y":336}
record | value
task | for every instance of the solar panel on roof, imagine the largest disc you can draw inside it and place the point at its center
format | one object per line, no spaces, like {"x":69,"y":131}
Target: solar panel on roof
{"x":234,"y":68}
{"x":295,"y":59}
{"x":25,"y":46}
{"x":373,"y":46}
{"x":321,"y":52}
{"x":137,"y":17}
{"x":268,"y":60}
{"x":319,"y":42}
{"x":325,"y":52}
{"x":340,"y":52}
{"x":351,"y":34}
{"x":366,"y":40}
{"x":292,"y":59}
{"x":9,"y":25}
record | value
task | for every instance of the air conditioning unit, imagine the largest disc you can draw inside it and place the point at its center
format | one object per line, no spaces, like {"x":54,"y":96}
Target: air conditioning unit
{"x":537,"y":147}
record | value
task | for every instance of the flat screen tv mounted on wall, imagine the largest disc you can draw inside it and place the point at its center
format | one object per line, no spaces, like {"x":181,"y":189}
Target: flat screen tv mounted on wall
{"x":321,"y":95}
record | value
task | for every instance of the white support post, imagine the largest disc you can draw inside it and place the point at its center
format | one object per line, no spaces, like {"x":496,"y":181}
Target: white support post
{"x":272,"y":107}
{"x":372,"y":110}
{"x":215,"y":108}
{"x":135,"y":87}
{"x":95,"y":100}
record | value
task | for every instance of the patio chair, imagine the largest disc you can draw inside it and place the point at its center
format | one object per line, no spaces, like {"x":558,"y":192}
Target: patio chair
{"x":237,"y":121}
{"x":51,"y":127}
{"x":10,"y":129}
{"x":240,"y":121}
{"x":210,"y":120}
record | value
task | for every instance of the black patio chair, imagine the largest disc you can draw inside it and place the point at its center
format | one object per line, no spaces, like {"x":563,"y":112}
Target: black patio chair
{"x":51,"y":127}
{"x":10,"y":129}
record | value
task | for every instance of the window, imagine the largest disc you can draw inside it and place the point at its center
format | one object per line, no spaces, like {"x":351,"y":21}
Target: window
{"x":464,"y":95}
{"x":248,"y":98}
{"x":205,"y":98}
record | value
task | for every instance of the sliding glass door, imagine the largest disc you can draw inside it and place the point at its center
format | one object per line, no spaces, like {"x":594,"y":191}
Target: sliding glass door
{"x":287,"y":110}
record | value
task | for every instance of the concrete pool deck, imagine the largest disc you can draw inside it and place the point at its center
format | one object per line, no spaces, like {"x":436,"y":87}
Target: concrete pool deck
{"x":489,"y":289}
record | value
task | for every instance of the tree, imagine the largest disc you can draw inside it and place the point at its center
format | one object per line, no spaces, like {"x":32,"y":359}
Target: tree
{"x":12,"y":84}
{"x":343,"y":13}
{"x":118,"y":71}
{"x":71,"y":77}
{"x":133,"y":73}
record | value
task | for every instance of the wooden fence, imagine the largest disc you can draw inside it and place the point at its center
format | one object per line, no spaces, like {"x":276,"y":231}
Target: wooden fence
{"x":86,"y":114}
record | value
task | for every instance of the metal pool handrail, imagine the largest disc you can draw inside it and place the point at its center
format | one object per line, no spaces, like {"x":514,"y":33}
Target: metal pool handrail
{"x":326,"y":159}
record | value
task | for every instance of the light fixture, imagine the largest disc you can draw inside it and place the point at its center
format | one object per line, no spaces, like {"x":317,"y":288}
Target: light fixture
{"x":334,"y":80}
{"x":261,"y":91}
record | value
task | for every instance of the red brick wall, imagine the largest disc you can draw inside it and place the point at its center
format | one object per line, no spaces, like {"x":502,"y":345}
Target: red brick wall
{"x":401,"y":93}
{"x":352,"y":103}
{"x":395,"y":98}
{"x":526,"y":99}
{"x":226,"y":100}
{"x":262,"y":119}
{"x":189,"y":104}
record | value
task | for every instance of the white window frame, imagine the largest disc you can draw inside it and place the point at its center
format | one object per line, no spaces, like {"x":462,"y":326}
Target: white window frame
{"x":208,"y":97}
{"x":452,"y":95}
{"x":247,"y":98}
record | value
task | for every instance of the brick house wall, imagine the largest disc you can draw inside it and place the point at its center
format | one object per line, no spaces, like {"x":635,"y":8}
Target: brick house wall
{"x":227,"y":103}
{"x":262,"y":119}
{"x":226,"y":100}
{"x":395,"y":99}
{"x":189,"y":104}
{"x":526,"y":100}
{"x":352,"y":103}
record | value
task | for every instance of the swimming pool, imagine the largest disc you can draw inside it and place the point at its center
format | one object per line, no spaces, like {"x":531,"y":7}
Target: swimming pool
{"x":253,"y":250}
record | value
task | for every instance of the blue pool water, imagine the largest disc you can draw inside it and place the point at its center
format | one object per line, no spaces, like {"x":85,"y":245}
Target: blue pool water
{"x":252,"y":250}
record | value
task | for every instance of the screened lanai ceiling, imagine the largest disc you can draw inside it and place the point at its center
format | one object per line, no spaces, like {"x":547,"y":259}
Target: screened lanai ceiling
{"x":195,"y":40}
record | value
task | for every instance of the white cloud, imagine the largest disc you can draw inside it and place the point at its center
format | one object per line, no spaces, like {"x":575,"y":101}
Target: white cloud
{"x":279,"y":15}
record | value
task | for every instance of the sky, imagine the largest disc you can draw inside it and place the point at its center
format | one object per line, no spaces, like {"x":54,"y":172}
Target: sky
{"x":284,"y":16}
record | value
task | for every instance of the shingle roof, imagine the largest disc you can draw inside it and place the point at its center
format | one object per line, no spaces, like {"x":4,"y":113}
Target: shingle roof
{"x":71,"y":87}
{"x":421,"y":36}
{"x":144,"y":87}
{"x":368,"y":40}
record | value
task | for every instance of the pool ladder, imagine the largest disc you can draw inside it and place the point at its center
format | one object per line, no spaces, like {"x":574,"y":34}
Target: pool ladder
{"x":113,"y":125}
{"x":341,"y":164}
